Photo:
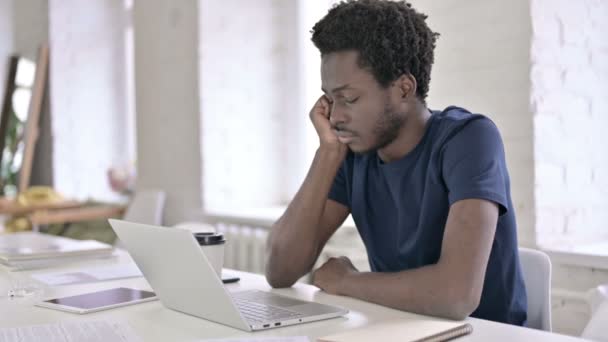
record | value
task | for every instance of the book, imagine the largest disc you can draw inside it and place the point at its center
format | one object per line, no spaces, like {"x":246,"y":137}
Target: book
{"x":414,"y":330}
{"x":32,"y":246}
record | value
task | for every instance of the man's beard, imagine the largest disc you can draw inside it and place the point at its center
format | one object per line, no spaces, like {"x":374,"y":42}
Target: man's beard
{"x":387,"y":128}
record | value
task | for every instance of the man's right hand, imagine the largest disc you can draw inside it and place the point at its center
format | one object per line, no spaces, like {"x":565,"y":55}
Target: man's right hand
{"x":319,"y":115}
{"x":298,"y":237}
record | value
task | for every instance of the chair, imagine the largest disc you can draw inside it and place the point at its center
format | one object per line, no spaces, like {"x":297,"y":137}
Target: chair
{"x":597,"y":329}
{"x":536,"y":269}
{"x":146,"y":207}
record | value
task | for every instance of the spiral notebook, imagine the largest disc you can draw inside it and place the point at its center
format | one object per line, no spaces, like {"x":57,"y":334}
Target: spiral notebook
{"x":414,"y":330}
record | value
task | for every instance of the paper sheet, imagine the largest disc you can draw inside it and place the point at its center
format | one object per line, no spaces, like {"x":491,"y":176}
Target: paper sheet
{"x":91,"y":275}
{"x":82,"y":331}
{"x":403,"y":330}
{"x":262,"y":339}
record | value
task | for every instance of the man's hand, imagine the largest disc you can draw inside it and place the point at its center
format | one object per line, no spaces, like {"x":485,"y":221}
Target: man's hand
{"x":296,"y":239}
{"x":319,"y":115}
{"x":330,"y":276}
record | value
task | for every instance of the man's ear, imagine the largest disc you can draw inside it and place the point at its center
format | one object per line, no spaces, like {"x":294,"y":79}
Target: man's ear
{"x":406,"y":85}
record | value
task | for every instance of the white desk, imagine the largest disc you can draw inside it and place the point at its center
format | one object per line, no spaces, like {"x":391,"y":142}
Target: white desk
{"x":153,"y":322}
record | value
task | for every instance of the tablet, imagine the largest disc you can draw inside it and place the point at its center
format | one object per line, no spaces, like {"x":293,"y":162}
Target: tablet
{"x":97,"y":301}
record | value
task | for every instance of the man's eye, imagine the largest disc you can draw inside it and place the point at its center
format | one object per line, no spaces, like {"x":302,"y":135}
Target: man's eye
{"x":351,"y":100}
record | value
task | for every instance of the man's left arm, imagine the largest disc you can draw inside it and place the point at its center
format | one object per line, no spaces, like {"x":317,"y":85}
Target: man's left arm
{"x":450,"y":288}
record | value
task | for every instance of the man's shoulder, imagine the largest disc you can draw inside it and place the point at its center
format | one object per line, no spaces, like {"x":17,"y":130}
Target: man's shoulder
{"x":454,"y":120}
{"x":454,"y":116}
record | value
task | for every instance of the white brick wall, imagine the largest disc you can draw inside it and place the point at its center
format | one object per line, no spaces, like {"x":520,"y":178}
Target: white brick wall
{"x":569,"y":88}
{"x":247,"y":94}
{"x":88,"y":89}
{"x":482,"y":63}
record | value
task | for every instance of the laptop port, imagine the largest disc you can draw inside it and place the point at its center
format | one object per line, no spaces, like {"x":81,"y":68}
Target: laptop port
{"x":277,"y":324}
{"x":266,"y":325}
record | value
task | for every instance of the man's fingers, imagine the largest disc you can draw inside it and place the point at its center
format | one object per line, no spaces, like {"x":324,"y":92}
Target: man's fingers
{"x":326,"y":107}
{"x":328,"y":262}
{"x":323,"y":106}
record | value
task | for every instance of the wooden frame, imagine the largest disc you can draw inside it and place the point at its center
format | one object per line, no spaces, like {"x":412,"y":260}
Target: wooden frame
{"x":35,"y":104}
{"x":32,"y":129}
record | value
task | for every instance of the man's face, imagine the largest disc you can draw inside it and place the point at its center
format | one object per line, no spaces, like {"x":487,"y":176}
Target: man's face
{"x":366,"y":116}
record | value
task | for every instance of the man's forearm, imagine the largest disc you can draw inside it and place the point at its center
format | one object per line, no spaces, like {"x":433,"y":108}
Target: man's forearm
{"x":426,"y":290}
{"x":294,"y":239}
{"x":452,"y":286}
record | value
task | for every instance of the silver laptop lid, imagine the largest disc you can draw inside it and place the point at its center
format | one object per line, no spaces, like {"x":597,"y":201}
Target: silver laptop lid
{"x":159,"y":253}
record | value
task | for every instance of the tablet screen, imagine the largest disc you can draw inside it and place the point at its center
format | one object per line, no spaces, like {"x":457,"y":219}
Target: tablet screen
{"x":103,"y":298}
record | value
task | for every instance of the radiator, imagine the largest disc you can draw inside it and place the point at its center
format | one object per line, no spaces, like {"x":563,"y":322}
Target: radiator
{"x":246,"y":237}
{"x":245,"y":246}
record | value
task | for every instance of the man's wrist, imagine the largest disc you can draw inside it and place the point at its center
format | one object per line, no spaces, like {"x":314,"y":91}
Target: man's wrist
{"x":347,"y":283}
{"x":336,"y":152}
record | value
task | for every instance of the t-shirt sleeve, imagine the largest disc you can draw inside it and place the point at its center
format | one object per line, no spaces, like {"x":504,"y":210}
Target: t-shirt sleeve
{"x":474,"y":164}
{"x":339,"y":188}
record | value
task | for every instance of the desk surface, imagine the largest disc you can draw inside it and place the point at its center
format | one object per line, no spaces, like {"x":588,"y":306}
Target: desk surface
{"x":154,"y":322}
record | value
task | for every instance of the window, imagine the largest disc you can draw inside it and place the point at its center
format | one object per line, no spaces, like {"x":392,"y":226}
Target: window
{"x":92,"y":95}
{"x":257,"y":139}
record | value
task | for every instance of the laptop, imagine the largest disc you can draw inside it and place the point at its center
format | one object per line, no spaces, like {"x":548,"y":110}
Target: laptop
{"x":184,"y":280}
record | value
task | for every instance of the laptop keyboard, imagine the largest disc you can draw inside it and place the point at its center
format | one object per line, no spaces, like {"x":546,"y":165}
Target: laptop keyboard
{"x":262,"y":313}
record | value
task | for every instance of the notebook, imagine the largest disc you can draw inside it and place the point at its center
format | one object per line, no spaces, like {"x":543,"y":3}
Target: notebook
{"x":31,"y":246}
{"x":415,"y":330}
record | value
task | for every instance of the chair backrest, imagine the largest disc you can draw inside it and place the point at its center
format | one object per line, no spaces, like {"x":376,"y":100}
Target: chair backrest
{"x":597,"y":296}
{"x":146,"y":207}
{"x":536,"y":269}
{"x":597,"y":329}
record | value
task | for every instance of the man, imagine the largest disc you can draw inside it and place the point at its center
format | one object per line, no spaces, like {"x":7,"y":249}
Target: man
{"x":428,"y":191}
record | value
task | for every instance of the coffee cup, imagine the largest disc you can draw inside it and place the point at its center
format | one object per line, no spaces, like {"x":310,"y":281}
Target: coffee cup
{"x":212,"y":245}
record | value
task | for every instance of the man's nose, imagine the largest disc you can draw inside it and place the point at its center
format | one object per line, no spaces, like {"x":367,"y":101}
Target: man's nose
{"x":337,"y":116}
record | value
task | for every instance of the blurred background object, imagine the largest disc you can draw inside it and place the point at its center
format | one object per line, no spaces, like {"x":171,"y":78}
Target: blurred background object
{"x":122,"y":179}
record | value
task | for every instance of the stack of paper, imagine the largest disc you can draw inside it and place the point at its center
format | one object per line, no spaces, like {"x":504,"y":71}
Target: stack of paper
{"x":29,"y":249}
{"x":82,"y":331}
{"x":102,"y":273}
{"x":418,"y":330}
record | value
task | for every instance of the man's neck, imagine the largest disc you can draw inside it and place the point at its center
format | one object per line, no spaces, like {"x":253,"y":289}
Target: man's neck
{"x":409,"y":136}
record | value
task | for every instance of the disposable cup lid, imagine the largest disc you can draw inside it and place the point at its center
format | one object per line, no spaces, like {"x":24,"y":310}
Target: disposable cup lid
{"x":207,"y":238}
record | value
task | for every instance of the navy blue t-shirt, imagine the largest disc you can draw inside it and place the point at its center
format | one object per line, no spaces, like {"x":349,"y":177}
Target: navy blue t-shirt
{"x":401,"y":207}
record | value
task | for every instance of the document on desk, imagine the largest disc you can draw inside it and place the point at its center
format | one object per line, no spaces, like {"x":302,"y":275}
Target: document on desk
{"x":90,"y":275}
{"x":82,"y":331}
{"x":261,"y":339}
{"x":418,"y":330}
